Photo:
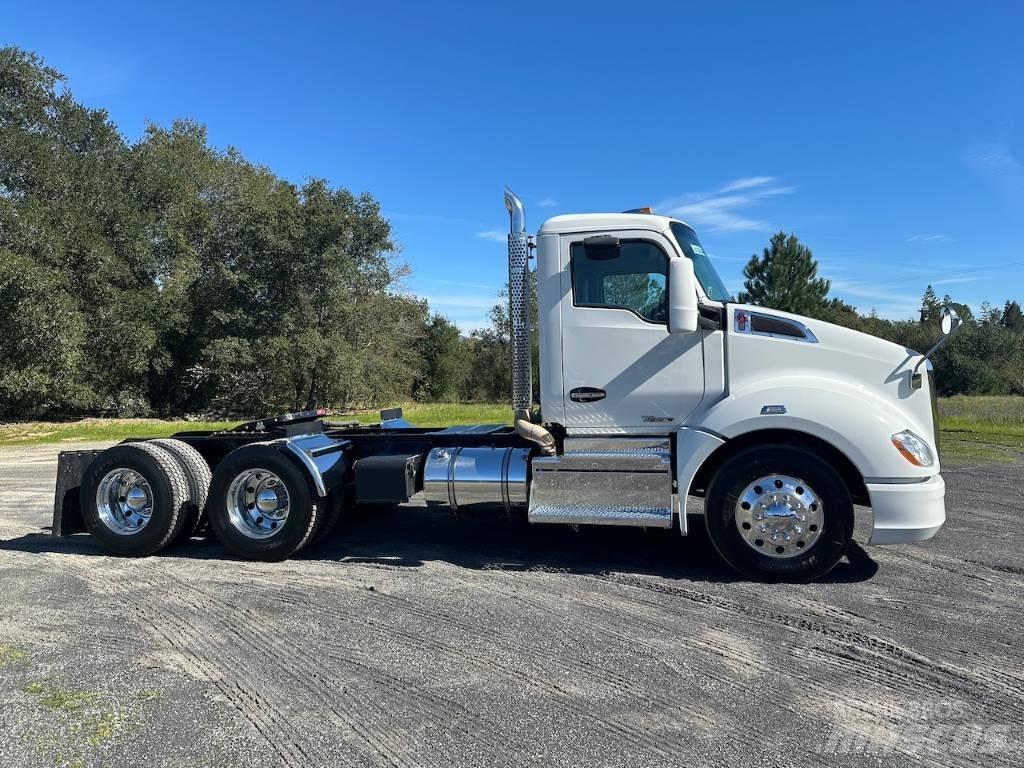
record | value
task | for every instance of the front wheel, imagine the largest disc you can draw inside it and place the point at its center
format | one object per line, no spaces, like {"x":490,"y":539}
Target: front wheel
{"x":779,"y":513}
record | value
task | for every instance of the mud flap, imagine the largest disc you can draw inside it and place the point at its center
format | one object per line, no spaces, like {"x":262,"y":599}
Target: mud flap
{"x":67,"y":516}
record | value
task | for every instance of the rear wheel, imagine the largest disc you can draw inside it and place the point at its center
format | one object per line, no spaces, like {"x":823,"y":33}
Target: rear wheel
{"x":134,"y":498}
{"x":336,"y":505}
{"x":261,"y":506}
{"x":779,"y":513}
{"x":199,"y":476}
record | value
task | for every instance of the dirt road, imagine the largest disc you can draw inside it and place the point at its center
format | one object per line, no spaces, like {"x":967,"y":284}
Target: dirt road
{"x":411,"y":639}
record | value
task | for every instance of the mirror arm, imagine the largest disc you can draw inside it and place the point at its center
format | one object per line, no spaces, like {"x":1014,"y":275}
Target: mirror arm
{"x":915,"y":377}
{"x":710,"y":318}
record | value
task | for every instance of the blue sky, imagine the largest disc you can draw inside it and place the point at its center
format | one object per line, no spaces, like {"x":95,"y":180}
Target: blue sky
{"x":889,"y":137}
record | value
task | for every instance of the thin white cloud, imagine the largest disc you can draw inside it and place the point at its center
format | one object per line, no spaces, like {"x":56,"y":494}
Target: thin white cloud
{"x":876,"y":293}
{"x":994,"y":160}
{"x":925,"y":238}
{"x":748,"y":183}
{"x":726,"y":208}
{"x":493,"y":235}
{"x":954,"y":280}
{"x":547,"y":202}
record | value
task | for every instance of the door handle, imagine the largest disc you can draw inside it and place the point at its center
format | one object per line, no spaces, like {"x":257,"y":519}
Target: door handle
{"x":587,"y":394}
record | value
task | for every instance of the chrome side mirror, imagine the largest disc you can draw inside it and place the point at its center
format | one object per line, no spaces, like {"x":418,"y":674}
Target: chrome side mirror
{"x":950,"y":320}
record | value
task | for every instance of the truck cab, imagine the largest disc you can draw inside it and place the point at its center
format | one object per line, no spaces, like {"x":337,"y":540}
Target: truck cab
{"x":750,"y":403}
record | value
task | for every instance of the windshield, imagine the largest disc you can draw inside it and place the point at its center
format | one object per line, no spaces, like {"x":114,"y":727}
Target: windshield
{"x":702,"y":266}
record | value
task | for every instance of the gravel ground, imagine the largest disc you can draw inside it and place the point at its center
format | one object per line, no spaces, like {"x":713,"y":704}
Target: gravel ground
{"x":411,"y":639}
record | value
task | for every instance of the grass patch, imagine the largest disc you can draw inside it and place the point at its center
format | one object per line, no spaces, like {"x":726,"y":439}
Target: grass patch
{"x":445,"y":414}
{"x":982,"y":429}
{"x":85,"y":430}
{"x":967,"y":452}
{"x":10,"y":655}
{"x":112,"y":430}
{"x":74,"y":723}
{"x":992,"y":410}
{"x":59,"y":699}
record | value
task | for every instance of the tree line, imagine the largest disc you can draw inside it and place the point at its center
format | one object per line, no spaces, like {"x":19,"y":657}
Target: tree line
{"x":163,"y":276}
{"x":985,"y":356}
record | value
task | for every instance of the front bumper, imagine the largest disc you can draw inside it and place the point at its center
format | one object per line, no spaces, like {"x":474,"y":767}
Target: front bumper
{"x":907,"y":512}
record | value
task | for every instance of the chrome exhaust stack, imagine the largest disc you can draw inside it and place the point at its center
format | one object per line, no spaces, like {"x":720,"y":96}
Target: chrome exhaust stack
{"x":519,"y":326}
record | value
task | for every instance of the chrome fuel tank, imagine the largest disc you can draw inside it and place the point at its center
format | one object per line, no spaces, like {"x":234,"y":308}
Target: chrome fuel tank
{"x":477,"y":478}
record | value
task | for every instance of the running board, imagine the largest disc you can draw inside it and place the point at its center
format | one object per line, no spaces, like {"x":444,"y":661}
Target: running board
{"x":605,"y":481}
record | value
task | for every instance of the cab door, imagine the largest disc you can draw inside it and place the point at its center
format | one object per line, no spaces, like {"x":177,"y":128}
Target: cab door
{"x":622,"y":370}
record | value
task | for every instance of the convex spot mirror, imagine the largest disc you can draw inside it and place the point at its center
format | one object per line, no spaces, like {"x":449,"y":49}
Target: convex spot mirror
{"x":950,"y":319}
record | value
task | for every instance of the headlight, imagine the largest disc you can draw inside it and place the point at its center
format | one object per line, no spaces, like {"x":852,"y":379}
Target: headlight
{"x":914,"y":449}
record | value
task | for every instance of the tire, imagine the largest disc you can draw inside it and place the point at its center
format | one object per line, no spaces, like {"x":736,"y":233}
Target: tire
{"x":334,"y":509}
{"x":199,"y":477}
{"x":110,"y":492}
{"x":779,"y":513}
{"x":247,"y":478}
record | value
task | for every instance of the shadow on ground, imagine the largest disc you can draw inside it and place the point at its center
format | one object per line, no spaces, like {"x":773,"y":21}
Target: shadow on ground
{"x":409,"y":536}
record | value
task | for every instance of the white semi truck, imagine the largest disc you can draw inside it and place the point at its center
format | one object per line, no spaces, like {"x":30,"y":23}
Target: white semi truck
{"x":655,"y":387}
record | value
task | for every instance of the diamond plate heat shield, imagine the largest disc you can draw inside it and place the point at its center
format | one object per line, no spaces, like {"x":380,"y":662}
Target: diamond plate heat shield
{"x":519,"y":316}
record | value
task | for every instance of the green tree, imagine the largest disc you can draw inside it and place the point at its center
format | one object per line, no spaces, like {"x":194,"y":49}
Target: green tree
{"x":185,"y":277}
{"x":446,"y":361}
{"x":989,"y":315}
{"x":1012,"y":317}
{"x":785,"y":277}
{"x":67,"y":211}
{"x":931,"y":307}
{"x":490,"y":376}
{"x":41,"y":340}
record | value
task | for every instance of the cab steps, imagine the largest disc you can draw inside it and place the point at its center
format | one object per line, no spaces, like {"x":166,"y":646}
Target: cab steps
{"x":605,"y":481}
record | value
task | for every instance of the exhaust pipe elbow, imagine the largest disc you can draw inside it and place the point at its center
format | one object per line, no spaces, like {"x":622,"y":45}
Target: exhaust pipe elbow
{"x":534,"y":432}
{"x":516,"y":212}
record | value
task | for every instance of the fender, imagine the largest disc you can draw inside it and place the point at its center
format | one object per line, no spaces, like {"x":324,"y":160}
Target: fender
{"x":853,"y":419}
{"x":322,"y":458}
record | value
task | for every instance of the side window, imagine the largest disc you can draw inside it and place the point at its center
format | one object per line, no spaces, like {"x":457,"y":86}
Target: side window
{"x":637,"y":280}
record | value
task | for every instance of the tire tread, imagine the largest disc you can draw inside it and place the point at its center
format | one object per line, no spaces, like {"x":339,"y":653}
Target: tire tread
{"x":199,"y":476}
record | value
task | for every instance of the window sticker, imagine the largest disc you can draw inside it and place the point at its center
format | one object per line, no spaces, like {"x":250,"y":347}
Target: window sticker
{"x":697,"y":249}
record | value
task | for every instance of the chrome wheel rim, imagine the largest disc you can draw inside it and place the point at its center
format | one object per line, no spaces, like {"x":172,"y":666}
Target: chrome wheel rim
{"x":124,"y":501}
{"x":779,"y":516}
{"x":258,"y":503}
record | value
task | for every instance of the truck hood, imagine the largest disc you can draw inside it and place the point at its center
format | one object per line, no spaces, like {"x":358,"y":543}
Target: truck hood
{"x":833,"y":338}
{"x":838,"y":367}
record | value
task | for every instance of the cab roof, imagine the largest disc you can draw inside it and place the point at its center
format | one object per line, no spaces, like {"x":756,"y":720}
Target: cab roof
{"x":585,"y":222}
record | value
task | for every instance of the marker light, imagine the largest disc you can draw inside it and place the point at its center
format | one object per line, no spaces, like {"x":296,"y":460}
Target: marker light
{"x":914,"y":449}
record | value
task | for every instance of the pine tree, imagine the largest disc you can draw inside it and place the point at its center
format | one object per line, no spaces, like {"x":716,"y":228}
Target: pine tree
{"x":785,"y":277}
{"x":1012,"y":317}
{"x":931,"y":307}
